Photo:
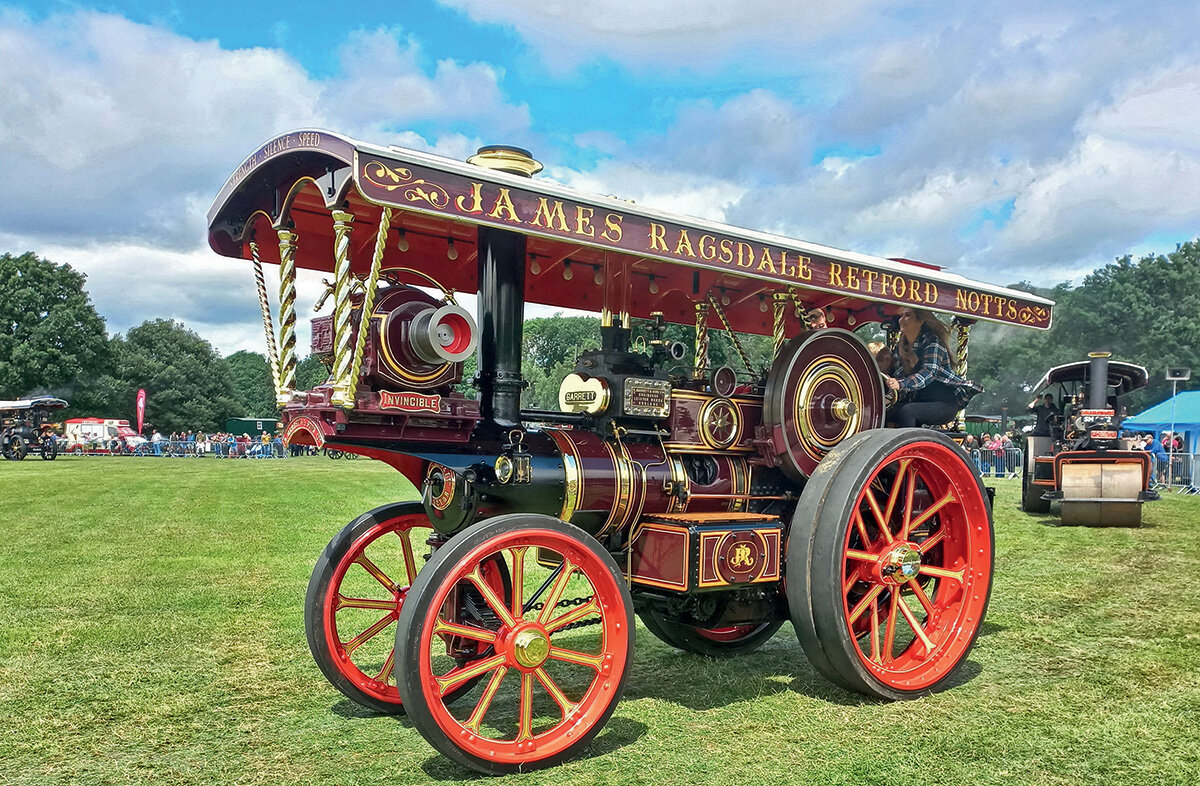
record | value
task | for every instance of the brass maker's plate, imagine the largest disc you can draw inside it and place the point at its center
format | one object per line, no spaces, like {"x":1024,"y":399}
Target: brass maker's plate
{"x":647,"y":398}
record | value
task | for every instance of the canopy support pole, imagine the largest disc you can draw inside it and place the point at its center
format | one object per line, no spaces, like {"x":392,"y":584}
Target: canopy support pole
{"x":962,"y":331}
{"x":780,"y":302}
{"x":737,"y":344}
{"x":287,"y":317}
{"x":265,"y":306}
{"x":701,"y":365}
{"x":342,"y":227}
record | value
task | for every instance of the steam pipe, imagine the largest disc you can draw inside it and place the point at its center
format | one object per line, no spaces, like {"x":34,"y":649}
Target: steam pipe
{"x":501,"y":317}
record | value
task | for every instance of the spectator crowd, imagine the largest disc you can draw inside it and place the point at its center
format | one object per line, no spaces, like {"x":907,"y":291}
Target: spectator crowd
{"x":221,"y":444}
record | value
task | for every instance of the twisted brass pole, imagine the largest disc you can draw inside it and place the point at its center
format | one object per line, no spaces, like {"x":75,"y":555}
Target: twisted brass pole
{"x":287,"y":317}
{"x":962,"y":334}
{"x":701,"y":362}
{"x":342,"y":285}
{"x":737,"y":345}
{"x":780,"y":304}
{"x":368,"y":305}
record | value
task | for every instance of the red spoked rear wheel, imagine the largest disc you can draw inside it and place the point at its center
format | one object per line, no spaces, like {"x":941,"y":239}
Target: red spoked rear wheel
{"x":556,"y":655}
{"x":890,"y":562}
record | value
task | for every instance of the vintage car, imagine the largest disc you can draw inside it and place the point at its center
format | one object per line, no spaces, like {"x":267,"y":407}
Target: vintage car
{"x":1081,"y":461}
{"x":714,"y":503}
{"x":25,"y":426}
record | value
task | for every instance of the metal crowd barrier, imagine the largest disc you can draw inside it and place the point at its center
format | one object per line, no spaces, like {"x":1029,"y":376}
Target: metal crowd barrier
{"x":1178,"y":472}
{"x":179,"y":449}
{"x":1005,"y":463}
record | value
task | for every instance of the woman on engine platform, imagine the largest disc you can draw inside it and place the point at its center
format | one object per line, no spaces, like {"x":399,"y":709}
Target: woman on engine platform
{"x":929,"y":391}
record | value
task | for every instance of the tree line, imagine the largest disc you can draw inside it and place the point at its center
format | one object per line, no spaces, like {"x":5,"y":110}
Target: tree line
{"x":52,"y":341}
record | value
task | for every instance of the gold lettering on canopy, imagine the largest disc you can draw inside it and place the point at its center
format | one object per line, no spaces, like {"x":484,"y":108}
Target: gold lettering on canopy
{"x":456,"y":196}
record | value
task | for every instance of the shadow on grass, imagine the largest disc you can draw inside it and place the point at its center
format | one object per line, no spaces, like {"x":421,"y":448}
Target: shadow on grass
{"x":616,"y":734}
{"x":347,"y":708}
{"x":988,"y":628}
{"x":701,"y":683}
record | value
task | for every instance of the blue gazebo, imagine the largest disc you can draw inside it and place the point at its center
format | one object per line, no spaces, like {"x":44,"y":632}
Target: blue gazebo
{"x":1183,"y":410}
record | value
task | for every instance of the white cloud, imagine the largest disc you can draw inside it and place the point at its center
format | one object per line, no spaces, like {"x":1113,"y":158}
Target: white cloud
{"x":929,"y":116}
{"x":130,"y":283}
{"x":1134,"y":171}
{"x":676,"y":33}
{"x":126,"y":128}
{"x":115,"y":136}
{"x":1086,"y":127}
{"x":117,"y":124}
{"x":383,"y":88}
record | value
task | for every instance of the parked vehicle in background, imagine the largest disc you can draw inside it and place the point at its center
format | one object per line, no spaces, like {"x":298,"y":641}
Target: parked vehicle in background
{"x":101,"y":435}
{"x":1077,"y":457}
{"x":25,"y":427}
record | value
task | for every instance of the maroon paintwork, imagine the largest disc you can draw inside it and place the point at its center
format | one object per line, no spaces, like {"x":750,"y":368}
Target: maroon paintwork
{"x":649,"y":261}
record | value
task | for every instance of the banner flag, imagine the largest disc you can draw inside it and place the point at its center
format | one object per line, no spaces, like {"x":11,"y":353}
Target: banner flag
{"x":141,"y":408}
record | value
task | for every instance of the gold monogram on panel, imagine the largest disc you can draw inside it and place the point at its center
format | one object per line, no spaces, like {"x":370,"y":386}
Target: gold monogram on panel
{"x":741,"y":556}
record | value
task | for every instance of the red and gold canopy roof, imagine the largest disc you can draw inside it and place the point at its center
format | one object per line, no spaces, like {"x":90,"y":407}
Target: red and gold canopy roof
{"x":585,"y":251}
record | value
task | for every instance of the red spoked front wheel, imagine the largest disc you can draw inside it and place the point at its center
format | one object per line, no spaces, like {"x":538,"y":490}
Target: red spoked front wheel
{"x":890,"y":562}
{"x":354,"y":598}
{"x":556,"y":654}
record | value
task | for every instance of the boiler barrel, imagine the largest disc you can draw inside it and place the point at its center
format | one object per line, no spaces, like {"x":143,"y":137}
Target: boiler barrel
{"x":602,"y":486}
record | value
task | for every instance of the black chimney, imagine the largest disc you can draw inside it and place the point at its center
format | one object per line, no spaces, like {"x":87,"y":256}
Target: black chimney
{"x":501,"y":317}
{"x":1098,"y":380}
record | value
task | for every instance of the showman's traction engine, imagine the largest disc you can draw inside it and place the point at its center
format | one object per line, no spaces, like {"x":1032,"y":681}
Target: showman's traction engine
{"x":713,"y":503}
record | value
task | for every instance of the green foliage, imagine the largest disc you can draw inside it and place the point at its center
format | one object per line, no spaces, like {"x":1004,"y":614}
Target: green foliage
{"x":51,"y":337}
{"x":310,"y":372}
{"x":550,"y":341}
{"x":550,"y":347}
{"x":252,"y":383}
{"x":188,"y":386}
{"x":1145,"y":312}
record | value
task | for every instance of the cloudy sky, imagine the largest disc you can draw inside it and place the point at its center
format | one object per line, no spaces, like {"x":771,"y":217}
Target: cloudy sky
{"x":1007,"y":141}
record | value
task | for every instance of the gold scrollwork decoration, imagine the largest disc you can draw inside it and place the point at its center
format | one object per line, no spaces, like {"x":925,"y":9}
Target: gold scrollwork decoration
{"x":1032,"y":314}
{"x":394,"y":179}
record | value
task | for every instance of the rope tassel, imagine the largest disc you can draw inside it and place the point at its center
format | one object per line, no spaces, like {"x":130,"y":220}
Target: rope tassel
{"x":265,"y":306}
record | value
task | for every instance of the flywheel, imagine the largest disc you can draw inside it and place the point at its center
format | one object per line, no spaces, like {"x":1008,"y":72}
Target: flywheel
{"x":823,"y":388}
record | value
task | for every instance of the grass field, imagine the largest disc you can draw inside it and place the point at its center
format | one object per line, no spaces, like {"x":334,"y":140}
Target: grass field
{"x":152,"y":631}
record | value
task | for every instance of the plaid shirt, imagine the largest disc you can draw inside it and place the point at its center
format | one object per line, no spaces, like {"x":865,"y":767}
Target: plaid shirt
{"x":933,"y":365}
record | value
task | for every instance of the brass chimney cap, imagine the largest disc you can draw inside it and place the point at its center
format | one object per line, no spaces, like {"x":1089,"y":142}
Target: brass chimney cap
{"x":506,"y":158}
{"x":1099,"y":354}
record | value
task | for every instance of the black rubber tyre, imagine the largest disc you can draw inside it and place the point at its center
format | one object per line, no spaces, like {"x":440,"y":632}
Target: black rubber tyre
{"x":841,"y":562}
{"x":523,"y":647}
{"x":713,"y":643}
{"x":1031,"y":495}
{"x":49,"y":450}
